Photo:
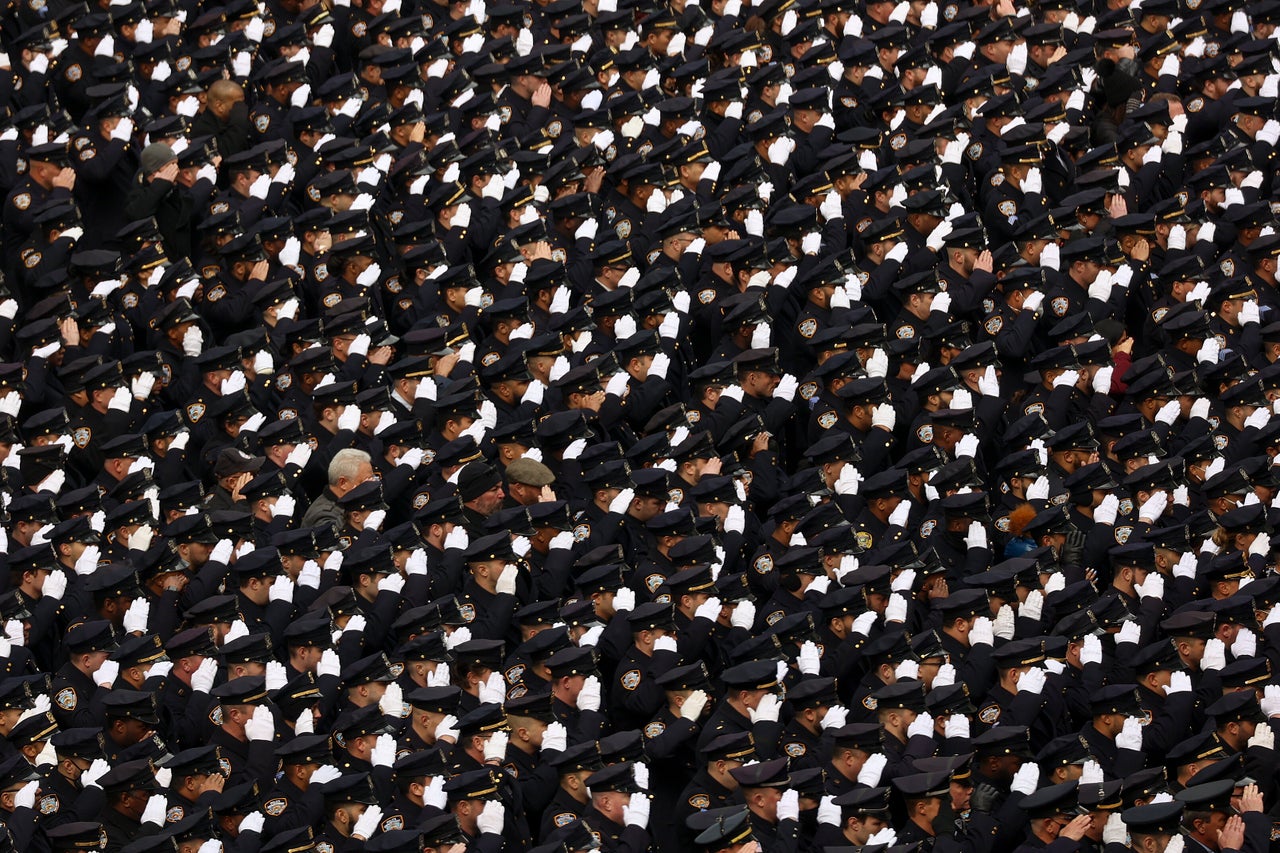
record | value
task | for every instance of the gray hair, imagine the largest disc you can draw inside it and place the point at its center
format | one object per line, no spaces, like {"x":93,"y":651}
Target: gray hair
{"x":346,"y":464}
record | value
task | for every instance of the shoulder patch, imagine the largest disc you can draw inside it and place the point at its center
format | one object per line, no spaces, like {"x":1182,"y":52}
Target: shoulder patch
{"x":827,"y":420}
{"x":22,"y":201}
{"x":582,"y":533}
{"x":275,"y":806}
{"x":261,"y":122}
{"x":707,"y":295}
{"x":994,"y":325}
{"x":216,"y":293}
{"x":564,"y":819}
{"x":74,"y":72}
{"x":331,"y":300}
{"x":630,"y":679}
{"x":1060,"y":305}
{"x":1008,"y":207}
{"x":990,"y":714}
{"x":174,"y":814}
{"x":869,"y":702}
{"x":925,"y":433}
{"x":49,"y":804}
{"x":763,"y":564}
{"x":467,"y":612}
{"x":808,"y":328}
{"x":66,"y":699}
{"x":700,"y":801}
{"x":195,"y":412}
{"x":795,"y":750}
{"x":654,"y":729}
{"x":82,"y":436}
{"x":905,"y":332}
{"x":865,"y":539}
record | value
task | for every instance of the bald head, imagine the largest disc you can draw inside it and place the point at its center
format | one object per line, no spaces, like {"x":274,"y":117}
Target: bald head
{"x":222,"y":96}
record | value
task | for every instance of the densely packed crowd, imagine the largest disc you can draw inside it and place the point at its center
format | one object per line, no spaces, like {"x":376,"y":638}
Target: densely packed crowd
{"x":797,"y":426}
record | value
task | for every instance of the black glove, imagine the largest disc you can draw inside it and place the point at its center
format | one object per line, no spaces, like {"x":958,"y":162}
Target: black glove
{"x":984,"y":797}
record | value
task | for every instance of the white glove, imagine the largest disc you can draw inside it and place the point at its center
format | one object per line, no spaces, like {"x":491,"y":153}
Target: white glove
{"x":780,"y":150}
{"x":1263,"y":736}
{"x":735,"y":520}
{"x":495,"y":748}
{"x":937,"y":239}
{"x":1107,"y":511}
{"x":507,"y":580}
{"x":192,"y":342}
{"x":1130,"y":737}
{"x":1154,"y":507}
{"x":1130,"y":632}
{"x":921,"y":725}
{"x":123,"y":131}
{"x":789,"y":805}
{"x":767,"y":710}
{"x":692,"y":708}
{"x":832,"y":207}
{"x":135,"y":618}
{"x":744,"y":615}
{"x":367,"y":824}
{"x":261,"y":726}
{"x":1215,"y":655}
{"x":624,"y":600}
{"x":155,"y":809}
{"x":710,"y":610}
{"x":872,"y":769}
{"x":636,"y":812}
{"x":105,"y":674}
{"x":828,"y":811}
{"x":977,"y":536}
{"x":1245,"y":645}
{"x":1179,"y":682}
{"x":982,"y":633}
{"x":1027,"y":779}
{"x":786,"y":388}
{"x":957,"y":725}
{"x":808,"y":661}
{"x":1032,"y":681}
{"x":1250,"y":313}
{"x":1153,"y":587}
{"x":202,"y":679}
{"x":885,"y":416}
{"x":590,"y":695}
